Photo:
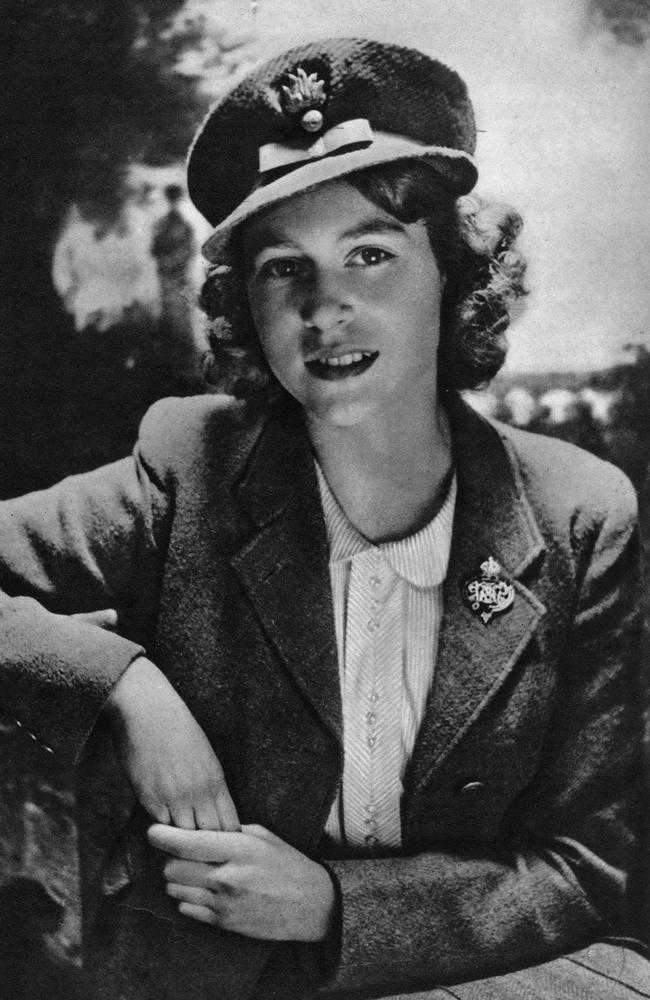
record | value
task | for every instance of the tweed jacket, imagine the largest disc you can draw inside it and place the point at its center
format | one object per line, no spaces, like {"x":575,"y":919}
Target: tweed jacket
{"x":521,"y":808}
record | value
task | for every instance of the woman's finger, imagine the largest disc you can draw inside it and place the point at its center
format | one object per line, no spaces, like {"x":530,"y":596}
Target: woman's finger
{"x":189,"y":873}
{"x":182,"y":815}
{"x":206,"y":816}
{"x":255,"y":830}
{"x":202,"y":913}
{"x":106,"y":619}
{"x":159,"y":812}
{"x":226,"y":810}
{"x":200,"y":845}
{"x":190,"y":894}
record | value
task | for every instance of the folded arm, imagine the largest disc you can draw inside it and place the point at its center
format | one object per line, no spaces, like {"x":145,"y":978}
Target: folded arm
{"x":83,"y":545}
{"x":97,"y":541}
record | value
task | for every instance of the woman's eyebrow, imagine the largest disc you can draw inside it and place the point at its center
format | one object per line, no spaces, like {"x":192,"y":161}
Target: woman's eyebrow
{"x":266,"y":239}
{"x":371,"y":227}
{"x":270,"y":239}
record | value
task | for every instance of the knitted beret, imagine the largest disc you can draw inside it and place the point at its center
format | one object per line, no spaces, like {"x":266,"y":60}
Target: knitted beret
{"x":320,"y":111}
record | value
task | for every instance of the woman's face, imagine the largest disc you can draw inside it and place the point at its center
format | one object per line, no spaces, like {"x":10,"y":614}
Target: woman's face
{"x":346,"y":303}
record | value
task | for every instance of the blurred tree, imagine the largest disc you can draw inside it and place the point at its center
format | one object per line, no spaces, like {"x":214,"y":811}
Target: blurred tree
{"x":628,"y":20}
{"x":629,"y":430}
{"x":578,"y":426}
{"x":85,"y":89}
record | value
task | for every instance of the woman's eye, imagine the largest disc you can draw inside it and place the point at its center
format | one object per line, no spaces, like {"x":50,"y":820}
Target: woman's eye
{"x":370,"y":257}
{"x":284,"y":267}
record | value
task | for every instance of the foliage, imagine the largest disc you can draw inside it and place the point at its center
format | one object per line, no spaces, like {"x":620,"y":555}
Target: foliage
{"x":628,"y":20}
{"x":625,"y":436}
{"x":629,"y":434}
{"x":85,"y":89}
{"x":89,"y":88}
{"x":579,"y":427}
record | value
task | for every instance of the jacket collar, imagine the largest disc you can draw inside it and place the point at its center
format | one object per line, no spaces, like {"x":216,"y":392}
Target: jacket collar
{"x":284,"y":568}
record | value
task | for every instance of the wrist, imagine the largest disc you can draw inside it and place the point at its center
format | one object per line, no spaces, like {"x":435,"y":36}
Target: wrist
{"x":328,"y":949}
{"x":131,"y":686}
{"x":329,"y":910}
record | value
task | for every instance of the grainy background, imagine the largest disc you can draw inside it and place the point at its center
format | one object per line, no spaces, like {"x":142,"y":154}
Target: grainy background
{"x":97,"y":104}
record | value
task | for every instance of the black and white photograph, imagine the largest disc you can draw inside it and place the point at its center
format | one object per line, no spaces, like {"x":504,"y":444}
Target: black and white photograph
{"x":324,"y":500}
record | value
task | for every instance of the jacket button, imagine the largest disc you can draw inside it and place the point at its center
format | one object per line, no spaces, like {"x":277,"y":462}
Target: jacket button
{"x":470,"y":788}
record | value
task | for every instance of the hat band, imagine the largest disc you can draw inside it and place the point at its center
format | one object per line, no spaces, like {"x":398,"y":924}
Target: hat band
{"x":354,"y":133}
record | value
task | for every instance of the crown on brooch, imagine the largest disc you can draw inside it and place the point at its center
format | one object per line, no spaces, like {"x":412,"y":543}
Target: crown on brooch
{"x":490,"y":568}
{"x":304,"y":95}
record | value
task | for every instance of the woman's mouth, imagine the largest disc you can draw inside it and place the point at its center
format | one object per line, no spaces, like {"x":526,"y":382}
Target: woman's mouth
{"x":343,"y":365}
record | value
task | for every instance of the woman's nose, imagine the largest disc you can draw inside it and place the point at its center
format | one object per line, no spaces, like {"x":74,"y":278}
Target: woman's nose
{"x":325,"y":302}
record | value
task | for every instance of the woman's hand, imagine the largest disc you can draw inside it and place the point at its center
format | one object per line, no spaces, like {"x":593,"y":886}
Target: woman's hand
{"x":165,"y":754}
{"x":250,"y":882}
{"x":107,"y":618}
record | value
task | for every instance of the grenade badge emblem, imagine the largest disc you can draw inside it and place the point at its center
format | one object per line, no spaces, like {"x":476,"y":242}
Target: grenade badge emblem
{"x":303,"y":98}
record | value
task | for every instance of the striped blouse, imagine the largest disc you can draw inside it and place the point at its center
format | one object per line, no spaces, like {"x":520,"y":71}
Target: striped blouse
{"x":387,"y":611}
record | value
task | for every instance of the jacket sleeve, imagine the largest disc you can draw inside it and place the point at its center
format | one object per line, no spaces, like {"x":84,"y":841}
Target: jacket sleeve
{"x":557,"y":876}
{"x":89,"y":543}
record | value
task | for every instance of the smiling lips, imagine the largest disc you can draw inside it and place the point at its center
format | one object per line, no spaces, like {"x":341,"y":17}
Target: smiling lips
{"x":343,"y":365}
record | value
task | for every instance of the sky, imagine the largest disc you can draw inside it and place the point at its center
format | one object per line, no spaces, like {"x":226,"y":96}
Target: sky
{"x":564,"y":136}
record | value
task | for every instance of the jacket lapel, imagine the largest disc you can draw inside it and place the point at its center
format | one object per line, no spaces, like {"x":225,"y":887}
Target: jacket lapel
{"x":493,"y":518}
{"x":284,"y":570}
{"x":284,"y":567}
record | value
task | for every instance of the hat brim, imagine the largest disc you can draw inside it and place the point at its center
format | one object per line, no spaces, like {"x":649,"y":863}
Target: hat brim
{"x":455,"y":166}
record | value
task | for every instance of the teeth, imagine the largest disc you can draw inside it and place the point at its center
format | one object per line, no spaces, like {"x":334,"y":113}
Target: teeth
{"x":344,"y":359}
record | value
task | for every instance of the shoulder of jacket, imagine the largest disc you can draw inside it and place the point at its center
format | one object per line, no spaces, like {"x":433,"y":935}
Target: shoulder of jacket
{"x":558,"y":474}
{"x":179,"y":433}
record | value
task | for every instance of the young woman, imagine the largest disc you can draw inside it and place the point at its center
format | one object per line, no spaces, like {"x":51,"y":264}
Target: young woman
{"x":374,"y":675}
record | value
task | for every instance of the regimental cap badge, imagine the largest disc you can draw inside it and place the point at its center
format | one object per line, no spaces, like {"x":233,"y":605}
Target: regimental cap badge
{"x":303,"y":97}
{"x":488,"y":594}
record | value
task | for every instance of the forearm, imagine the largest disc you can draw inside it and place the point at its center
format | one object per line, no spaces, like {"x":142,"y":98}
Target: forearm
{"x":57,"y":673}
{"x":461,"y":913}
{"x":84,"y":545}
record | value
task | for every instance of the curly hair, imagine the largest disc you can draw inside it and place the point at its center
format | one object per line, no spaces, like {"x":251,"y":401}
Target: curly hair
{"x":474,"y":243}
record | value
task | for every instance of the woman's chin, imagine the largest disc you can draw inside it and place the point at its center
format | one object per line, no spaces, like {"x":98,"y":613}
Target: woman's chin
{"x":337,"y":413}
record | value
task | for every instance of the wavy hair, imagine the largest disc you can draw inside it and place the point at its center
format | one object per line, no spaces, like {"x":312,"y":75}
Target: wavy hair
{"x":474,"y":243}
